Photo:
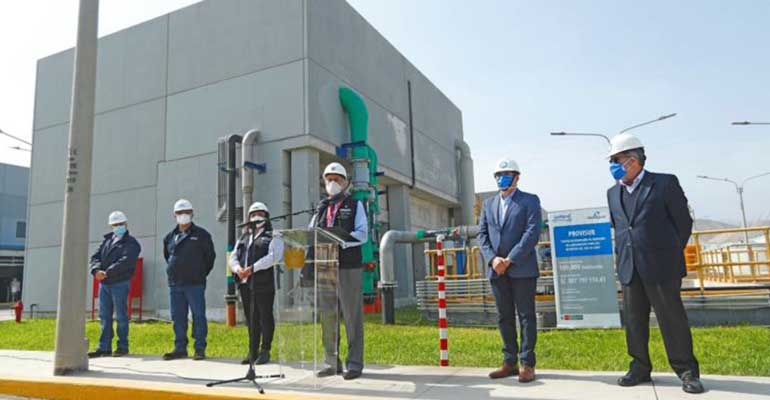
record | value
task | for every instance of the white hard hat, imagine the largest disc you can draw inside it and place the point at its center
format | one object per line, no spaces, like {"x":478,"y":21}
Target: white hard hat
{"x":117,"y":217}
{"x":506,"y":165}
{"x":624,"y":142}
{"x":182,"y":205}
{"x":337,"y":169}
{"x":258,"y":206}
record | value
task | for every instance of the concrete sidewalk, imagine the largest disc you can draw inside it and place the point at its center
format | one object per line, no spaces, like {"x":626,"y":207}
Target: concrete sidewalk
{"x":28,"y":374}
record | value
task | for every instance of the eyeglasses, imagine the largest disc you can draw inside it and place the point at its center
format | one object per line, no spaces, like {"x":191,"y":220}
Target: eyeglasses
{"x":619,"y":161}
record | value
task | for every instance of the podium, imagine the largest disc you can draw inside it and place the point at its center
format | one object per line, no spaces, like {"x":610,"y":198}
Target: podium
{"x":306,"y":307}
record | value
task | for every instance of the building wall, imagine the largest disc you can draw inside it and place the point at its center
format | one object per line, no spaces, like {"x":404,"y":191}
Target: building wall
{"x":168,"y":88}
{"x":13,"y":206}
{"x":344,"y":49}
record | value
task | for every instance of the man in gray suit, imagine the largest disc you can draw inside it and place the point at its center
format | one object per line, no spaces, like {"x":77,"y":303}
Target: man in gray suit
{"x":509,"y":228}
{"x":652,"y":226}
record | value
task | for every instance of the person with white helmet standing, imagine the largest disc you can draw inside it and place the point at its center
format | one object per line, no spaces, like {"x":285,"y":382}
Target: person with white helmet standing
{"x":339,"y":209}
{"x":652,"y":226}
{"x":113,"y":265}
{"x":509,"y":229}
{"x":252,"y":261}
{"x":189,"y":254}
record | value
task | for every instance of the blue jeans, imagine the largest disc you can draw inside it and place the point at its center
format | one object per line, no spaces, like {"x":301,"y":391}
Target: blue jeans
{"x":192,"y":298}
{"x":516,"y":296}
{"x":113,"y":298}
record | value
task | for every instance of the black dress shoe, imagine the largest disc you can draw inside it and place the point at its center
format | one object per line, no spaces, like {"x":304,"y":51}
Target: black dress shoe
{"x":99,"y":353}
{"x":199,"y":355}
{"x":329,"y":371}
{"x":264,"y":357}
{"x":245,"y":361}
{"x":175,"y":355}
{"x":350,"y":375}
{"x":632,"y":380}
{"x":691,"y":384}
{"x":120,"y":353}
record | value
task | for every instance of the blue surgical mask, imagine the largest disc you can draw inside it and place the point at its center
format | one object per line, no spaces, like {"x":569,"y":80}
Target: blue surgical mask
{"x":119,"y":230}
{"x":504,"y":182}
{"x":618,"y":170}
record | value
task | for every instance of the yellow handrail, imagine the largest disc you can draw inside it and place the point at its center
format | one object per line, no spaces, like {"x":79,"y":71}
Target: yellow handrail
{"x":733,"y":263}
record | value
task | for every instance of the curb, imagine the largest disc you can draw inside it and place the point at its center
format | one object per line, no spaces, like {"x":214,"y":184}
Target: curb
{"x":61,"y":388}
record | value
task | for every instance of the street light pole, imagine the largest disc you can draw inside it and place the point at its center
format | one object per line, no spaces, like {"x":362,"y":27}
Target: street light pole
{"x":71,"y":343}
{"x":750,"y":123}
{"x":605,"y":137}
{"x":739,"y":190}
{"x":661,"y":118}
{"x":581,"y":134}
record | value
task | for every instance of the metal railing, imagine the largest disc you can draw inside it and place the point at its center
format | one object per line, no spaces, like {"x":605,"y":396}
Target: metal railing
{"x":733,"y":263}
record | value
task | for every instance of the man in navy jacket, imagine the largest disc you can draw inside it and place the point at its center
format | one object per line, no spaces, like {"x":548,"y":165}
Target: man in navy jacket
{"x":113,"y":265}
{"x":189,"y":253}
{"x":509,"y":229}
{"x":652,"y":226}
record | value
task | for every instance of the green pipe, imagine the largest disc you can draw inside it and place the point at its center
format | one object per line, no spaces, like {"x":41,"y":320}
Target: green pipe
{"x":358,"y":119}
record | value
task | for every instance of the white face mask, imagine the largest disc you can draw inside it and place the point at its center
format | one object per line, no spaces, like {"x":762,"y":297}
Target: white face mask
{"x":183,"y":219}
{"x":333,"y":188}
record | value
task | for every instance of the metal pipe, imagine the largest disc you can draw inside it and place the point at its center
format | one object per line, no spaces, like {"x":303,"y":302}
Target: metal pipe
{"x":71,"y":342}
{"x":388,"y":243}
{"x":411,"y":133}
{"x":231,"y":297}
{"x":247,"y":174}
{"x":467,"y":193}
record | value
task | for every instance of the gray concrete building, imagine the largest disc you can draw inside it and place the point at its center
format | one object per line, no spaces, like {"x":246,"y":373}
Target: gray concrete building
{"x":168,"y":88}
{"x":13,"y":226}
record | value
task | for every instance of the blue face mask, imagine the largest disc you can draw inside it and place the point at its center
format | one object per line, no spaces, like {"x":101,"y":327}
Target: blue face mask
{"x":119,"y":230}
{"x":617,"y":170}
{"x":504,"y":182}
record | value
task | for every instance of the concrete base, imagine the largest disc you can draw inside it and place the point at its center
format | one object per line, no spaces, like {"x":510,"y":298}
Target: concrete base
{"x":28,"y":374}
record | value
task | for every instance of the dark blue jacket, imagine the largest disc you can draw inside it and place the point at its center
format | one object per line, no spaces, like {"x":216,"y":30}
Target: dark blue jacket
{"x":189,"y":260}
{"x":653,"y":241}
{"x":515,"y":238}
{"x":118,"y":259}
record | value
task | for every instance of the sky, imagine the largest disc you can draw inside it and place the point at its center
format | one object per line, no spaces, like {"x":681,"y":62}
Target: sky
{"x":521,"y":69}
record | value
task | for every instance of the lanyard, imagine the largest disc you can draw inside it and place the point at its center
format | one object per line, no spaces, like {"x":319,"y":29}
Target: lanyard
{"x":331,"y":212}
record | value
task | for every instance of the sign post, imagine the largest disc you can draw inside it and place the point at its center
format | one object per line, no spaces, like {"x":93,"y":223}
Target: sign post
{"x":584,"y":269}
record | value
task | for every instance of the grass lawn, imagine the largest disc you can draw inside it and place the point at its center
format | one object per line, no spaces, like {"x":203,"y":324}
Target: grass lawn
{"x":741,"y":350}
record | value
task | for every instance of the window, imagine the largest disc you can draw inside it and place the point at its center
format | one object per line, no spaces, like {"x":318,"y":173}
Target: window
{"x":21,"y":229}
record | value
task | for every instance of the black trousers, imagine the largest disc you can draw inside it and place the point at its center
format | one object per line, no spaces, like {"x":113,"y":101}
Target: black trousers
{"x":666,"y":300}
{"x":262,"y":330}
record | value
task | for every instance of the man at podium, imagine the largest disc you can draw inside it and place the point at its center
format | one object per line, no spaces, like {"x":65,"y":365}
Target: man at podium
{"x":340,"y":210}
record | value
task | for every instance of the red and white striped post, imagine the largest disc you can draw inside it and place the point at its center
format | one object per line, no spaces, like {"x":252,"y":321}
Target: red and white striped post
{"x":442,"y":324}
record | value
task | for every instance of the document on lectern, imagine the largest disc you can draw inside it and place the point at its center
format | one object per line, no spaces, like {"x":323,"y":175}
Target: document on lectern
{"x":340,"y":235}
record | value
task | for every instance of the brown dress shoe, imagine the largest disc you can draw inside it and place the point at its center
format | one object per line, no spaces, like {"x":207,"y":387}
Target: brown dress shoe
{"x":527,"y":374}
{"x":504,"y":372}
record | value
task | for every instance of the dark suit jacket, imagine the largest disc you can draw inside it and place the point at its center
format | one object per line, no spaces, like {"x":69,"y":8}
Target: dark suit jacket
{"x":653,"y":241}
{"x":117,"y":259}
{"x":515,"y":238}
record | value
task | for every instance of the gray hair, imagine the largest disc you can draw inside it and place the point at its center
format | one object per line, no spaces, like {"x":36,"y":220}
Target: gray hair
{"x":638,"y":154}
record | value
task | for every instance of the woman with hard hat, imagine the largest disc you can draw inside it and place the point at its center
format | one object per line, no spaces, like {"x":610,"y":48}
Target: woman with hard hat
{"x":252,"y":261}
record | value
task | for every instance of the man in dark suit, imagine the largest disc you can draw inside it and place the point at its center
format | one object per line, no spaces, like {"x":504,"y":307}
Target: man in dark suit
{"x":509,"y":228}
{"x":652,"y":226}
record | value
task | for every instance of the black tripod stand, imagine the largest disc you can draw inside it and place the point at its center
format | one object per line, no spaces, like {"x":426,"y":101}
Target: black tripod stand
{"x":251,"y":375}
